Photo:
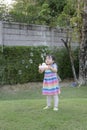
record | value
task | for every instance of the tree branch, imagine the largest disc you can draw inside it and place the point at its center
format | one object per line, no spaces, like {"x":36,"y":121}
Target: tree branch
{"x":65,"y":43}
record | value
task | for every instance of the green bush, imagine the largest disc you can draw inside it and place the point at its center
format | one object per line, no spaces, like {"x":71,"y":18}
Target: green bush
{"x":63,"y":61}
{"x":20,"y":64}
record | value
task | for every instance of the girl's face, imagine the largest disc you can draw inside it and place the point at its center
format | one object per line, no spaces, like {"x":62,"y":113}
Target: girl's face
{"x":49,"y":60}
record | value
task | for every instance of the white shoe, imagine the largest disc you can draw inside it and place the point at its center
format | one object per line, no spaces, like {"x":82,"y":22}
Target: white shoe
{"x":47,"y":107}
{"x":55,"y":109}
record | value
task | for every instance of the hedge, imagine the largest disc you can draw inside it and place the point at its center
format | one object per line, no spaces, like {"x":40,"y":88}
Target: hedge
{"x":20,"y":64}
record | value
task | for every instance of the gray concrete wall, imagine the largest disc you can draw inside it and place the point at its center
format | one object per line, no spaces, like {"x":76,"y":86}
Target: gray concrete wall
{"x":12,"y":34}
{"x":1,"y":31}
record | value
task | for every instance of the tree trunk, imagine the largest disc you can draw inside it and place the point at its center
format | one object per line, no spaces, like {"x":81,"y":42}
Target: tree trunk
{"x":73,"y":67}
{"x":67,"y":44}
{"x":83,"y":49}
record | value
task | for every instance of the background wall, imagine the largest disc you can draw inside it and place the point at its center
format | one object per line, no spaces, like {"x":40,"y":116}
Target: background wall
{"x":13,"y":34}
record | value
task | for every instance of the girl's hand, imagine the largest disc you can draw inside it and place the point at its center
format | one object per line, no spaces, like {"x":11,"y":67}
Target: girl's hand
{"x":42,"y":67}
{"x":49,"y":67}
{"x":52,"y":69}
{"x":41,"y":70}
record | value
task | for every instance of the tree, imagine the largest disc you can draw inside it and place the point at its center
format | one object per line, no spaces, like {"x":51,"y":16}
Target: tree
{"x":83,"y":49}
{"x":79,"y":23}
{"x":24,"y":11}
{"x":49,"y":11}
{"x":43,"y":12}
{"x":67,"y":44}
{"x":65,"y":20}
{"x":76,"y":18}
{"x":4,"y":12}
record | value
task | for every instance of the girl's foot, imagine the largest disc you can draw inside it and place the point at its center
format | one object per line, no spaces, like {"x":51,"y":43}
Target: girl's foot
{"x":55,"y":109}
{"x":47,"y":107}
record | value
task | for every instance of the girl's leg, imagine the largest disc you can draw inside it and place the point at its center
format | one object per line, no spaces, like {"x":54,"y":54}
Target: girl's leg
{"x":48,"y":102}
{"x":56,"y":101}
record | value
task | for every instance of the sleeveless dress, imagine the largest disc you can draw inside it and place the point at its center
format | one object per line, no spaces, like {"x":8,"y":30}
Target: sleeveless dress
{"x":50,"y":82}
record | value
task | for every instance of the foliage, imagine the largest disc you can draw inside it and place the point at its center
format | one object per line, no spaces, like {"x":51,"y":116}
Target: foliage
{"x":64,"y":64}
{"x":71,"y":17}
{"x":20,"y":64}
{"x":69,"y":12}
{"x":4,"y":12}
{"x":50,"y":10}
{"x":24,"y":11}
{"x":44,"y":15}
{"x":37,"y":12}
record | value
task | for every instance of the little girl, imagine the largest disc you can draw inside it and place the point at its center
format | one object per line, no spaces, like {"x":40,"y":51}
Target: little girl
{"x":50,"y":82}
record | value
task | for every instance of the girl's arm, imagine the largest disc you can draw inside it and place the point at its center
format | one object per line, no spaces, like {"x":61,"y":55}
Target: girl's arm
{"x":54,"y":69}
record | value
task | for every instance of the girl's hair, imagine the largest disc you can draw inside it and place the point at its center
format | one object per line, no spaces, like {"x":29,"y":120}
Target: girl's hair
{"x":53,"y":58}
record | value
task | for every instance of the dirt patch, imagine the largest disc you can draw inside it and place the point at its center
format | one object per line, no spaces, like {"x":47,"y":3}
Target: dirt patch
{"x":18,"y":87}
{"x":31,"y":85}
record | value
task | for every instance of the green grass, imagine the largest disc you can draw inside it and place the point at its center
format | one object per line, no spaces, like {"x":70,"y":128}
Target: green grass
{"x":23,"y":110}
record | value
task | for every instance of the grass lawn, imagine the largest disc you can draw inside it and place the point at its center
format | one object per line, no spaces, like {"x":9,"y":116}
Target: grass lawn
{"x":22,"y":109}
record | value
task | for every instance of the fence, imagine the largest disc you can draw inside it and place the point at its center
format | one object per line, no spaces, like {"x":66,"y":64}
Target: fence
{"x":18,"y":34}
